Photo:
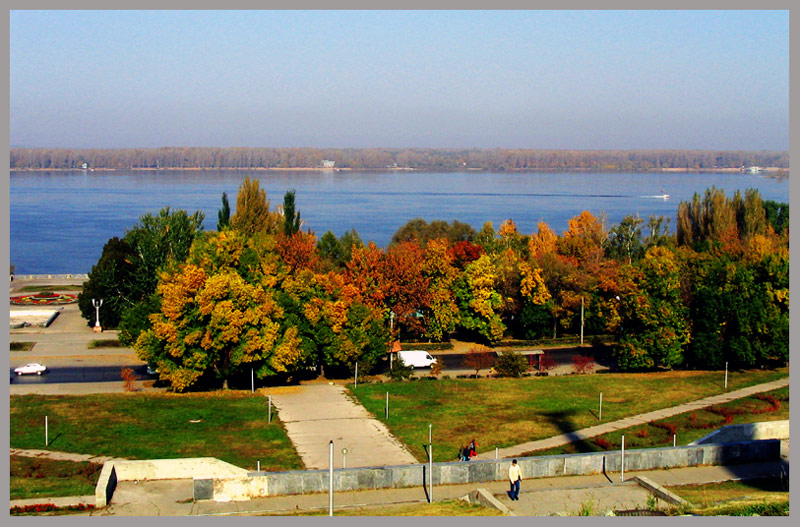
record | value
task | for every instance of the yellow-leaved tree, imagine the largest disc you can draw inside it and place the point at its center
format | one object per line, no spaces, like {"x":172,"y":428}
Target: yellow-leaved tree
{"x":218,"y":315}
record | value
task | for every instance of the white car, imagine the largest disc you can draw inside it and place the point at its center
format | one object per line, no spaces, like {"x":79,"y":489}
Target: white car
{"x":33,"y":367}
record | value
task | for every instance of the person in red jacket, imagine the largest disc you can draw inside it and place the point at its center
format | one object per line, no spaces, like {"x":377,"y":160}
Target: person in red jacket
{"x":473,"y":449}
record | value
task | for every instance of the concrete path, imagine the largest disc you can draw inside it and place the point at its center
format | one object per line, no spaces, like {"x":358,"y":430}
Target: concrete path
{"x":563,"y":439}
{"x":316,"y":414}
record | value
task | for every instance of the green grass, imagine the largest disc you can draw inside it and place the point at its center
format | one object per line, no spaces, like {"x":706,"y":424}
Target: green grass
{"x":45,"y":478}
{"x":105,"y":343}
{"x":506,"y":412}
{"x":41,"y":288}
{"x":764,"y":497}
{"x":690,"y":426}
{"x":20,"y":346}
{"x":441,"y":508}
{"x":231,"y":426}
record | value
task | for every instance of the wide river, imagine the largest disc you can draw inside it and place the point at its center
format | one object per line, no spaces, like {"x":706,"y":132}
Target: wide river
{"x":61,"y":220}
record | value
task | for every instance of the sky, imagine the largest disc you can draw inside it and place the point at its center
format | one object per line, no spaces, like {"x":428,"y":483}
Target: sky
{"x":426,"y":79}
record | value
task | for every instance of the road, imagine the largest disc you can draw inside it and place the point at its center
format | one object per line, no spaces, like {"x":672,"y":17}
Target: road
{"x":562,"y":357}
{"x":55,"y":375}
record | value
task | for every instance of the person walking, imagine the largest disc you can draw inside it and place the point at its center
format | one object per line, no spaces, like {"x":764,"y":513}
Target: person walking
{"x":514,"y":477}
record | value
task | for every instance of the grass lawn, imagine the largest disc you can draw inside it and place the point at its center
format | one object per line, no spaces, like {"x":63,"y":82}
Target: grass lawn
{"x":765,"y":497}
{"x":231,"y":426}
{"x":689,"y":426}
{"x":42,"y":477}
{"x":442,"y":508}
{"x":40,"y":288}
{"x":506,"y":412}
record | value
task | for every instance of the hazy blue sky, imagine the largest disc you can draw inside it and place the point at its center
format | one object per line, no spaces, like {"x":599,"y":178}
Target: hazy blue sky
{"x":526,"y":79}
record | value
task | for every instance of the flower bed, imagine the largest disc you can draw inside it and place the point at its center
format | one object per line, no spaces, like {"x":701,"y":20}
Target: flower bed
{"x":45,"y":298}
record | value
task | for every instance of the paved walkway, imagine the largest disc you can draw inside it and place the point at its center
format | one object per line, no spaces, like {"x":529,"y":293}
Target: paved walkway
{"x":315,"y":414}
{"x":563,"y":439}
{"x":538,"y":497}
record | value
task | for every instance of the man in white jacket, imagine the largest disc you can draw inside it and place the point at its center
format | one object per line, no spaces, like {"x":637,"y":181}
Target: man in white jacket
{"x":514,"y":477}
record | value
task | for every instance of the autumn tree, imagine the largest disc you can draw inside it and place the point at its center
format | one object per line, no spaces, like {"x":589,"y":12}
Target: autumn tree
{"x":252,"y":210}
{"x":478,"y":301}
{"x":464,"y":252}
{"x":219,"y":315}
{"x":405,"y":287}
{"x":437,"y":267}
{"x":543,"y":242}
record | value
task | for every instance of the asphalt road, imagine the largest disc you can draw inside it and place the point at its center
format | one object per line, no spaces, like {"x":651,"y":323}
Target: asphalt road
{"x":562,"y":356}
{"x":57,"y":375}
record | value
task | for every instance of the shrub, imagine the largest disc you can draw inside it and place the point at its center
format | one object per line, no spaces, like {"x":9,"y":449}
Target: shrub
{"x":478,"y":359}
{"x":547,"y":363}
{"x":642,"y":433}
{"x":400,"y":371}
{"x":727,"y":412}
{"x":671,"y":428}
{"x":511,"y":364}
{"x":583,"y":363}
{"x":774,"y":404}
{"x":130,"y":378}
{"x":602,"y":442}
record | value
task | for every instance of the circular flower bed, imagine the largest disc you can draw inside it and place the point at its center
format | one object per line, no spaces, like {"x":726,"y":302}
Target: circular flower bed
{"x":45,"y":298}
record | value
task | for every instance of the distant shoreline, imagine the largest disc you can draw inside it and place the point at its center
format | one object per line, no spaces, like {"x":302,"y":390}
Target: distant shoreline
{"x":764,"y":170}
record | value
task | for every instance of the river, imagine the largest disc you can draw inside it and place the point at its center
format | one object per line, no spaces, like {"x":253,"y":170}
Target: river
{"x":61,"y":220}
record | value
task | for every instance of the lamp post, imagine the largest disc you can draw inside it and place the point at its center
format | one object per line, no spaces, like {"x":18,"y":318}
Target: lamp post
{"x":97,"y":304}
{"x":391,"y":336}
{"x":581,"y":320}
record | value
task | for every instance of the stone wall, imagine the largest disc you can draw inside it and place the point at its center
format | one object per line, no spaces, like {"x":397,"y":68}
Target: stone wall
{"x":263,"y":484}
{"x":747,"y":432}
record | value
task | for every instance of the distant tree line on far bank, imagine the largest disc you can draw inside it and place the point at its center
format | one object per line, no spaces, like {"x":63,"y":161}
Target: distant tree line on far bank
{"x":383,"y":158}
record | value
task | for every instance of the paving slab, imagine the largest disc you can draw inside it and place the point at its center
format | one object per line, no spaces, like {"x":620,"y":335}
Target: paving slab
{"x":316,"y":414}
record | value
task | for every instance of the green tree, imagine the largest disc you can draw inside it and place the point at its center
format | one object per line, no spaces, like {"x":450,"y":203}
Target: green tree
{"x":224,"y":214}
{"x":740,"y":311}
{"x":625,"y":239}
{"x":654,"y":325}
{"x":109,"y":280}
{"x":291,"y":219}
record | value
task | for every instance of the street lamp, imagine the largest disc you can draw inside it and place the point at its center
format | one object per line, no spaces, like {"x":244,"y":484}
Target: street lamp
{"x":97,"y":304}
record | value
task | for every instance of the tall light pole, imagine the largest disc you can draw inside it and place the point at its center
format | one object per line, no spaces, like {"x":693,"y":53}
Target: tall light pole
{"x":581,"y":320}
{"x":391,"y":337}
{"x":97,"y":304}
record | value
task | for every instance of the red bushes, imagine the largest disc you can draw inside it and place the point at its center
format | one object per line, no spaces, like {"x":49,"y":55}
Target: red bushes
{"x":582,"y":363}
{"x":671,"y":428}
{"x":603,"y":443}
{"x":726,"y":412}
{"x":774,"y":404}
{"x":48,"y":507}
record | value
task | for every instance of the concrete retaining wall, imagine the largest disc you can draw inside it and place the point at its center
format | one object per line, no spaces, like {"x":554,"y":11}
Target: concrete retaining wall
{"x":185,"y":468}
{"x":747,"y":432}
{"x":261,"y":484}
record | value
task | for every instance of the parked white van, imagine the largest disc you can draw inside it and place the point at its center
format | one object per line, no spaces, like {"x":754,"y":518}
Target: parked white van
{"x":416,"y":358}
